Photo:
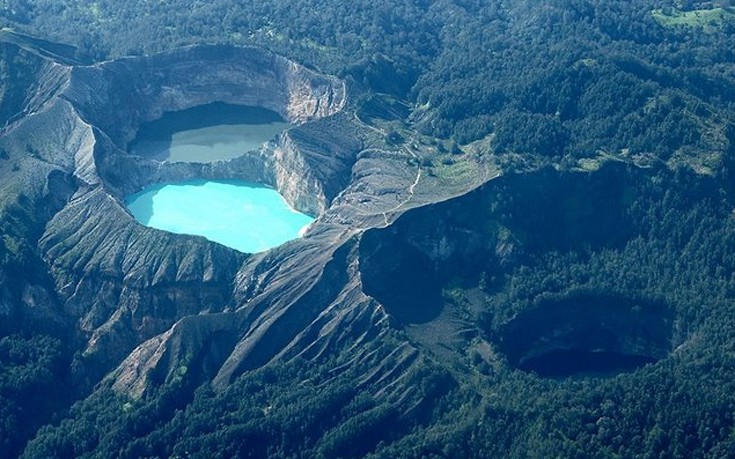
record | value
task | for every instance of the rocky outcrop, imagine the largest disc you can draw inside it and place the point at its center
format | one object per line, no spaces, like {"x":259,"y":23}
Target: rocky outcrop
{"x":310,"y":166}
{"x":306,"y":303}
{"x":263,"y":327}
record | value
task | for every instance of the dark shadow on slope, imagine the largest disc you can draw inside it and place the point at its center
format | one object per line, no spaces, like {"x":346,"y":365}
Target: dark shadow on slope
{"x":400,"y":278}
{"x":566,"y":362}
{"x":405,"y":267}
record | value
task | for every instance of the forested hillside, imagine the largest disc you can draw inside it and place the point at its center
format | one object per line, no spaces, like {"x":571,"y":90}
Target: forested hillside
{"x":612,"y":123}
{"x":568,"y":77}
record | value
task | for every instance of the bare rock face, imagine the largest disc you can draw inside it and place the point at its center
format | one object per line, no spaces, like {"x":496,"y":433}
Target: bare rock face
{"x":149,"y":86}
{"x":310,"y":163}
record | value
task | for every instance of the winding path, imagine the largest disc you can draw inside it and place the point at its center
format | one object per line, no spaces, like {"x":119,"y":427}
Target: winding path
{"x":412,"y":187}
{"x":411,"y":190}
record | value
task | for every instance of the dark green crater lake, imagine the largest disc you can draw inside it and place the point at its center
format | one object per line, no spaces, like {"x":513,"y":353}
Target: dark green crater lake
{"x":207,"y":133}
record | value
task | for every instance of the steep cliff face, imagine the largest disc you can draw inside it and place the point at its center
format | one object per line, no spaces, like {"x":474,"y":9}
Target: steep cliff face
{"x":149,"y":86}
{"x":118,"y":96}
{"x":312,"y":168}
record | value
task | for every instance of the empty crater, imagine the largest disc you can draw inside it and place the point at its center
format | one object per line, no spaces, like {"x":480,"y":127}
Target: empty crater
{"x":588,"y":335}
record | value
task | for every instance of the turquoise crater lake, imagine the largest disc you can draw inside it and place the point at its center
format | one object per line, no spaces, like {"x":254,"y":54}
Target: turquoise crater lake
{"x":246,"y":217}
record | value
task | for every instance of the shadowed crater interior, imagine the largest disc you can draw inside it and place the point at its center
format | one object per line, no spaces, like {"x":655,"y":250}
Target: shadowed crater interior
{"x":400,"y":277}
{"x":489,"y":230}
{"x":588,"y":335}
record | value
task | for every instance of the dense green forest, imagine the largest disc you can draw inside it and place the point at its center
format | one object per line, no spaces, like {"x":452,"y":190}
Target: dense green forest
{"x":561,"y":78}
{"x":646,"y":82}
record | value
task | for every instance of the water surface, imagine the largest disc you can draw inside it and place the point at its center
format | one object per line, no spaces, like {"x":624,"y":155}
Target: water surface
{"x":246,"y":217}
{"x":207,"y":133}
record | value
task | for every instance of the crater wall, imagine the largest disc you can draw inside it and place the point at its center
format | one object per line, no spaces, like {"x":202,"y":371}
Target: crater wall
{"x":446,"y":273}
